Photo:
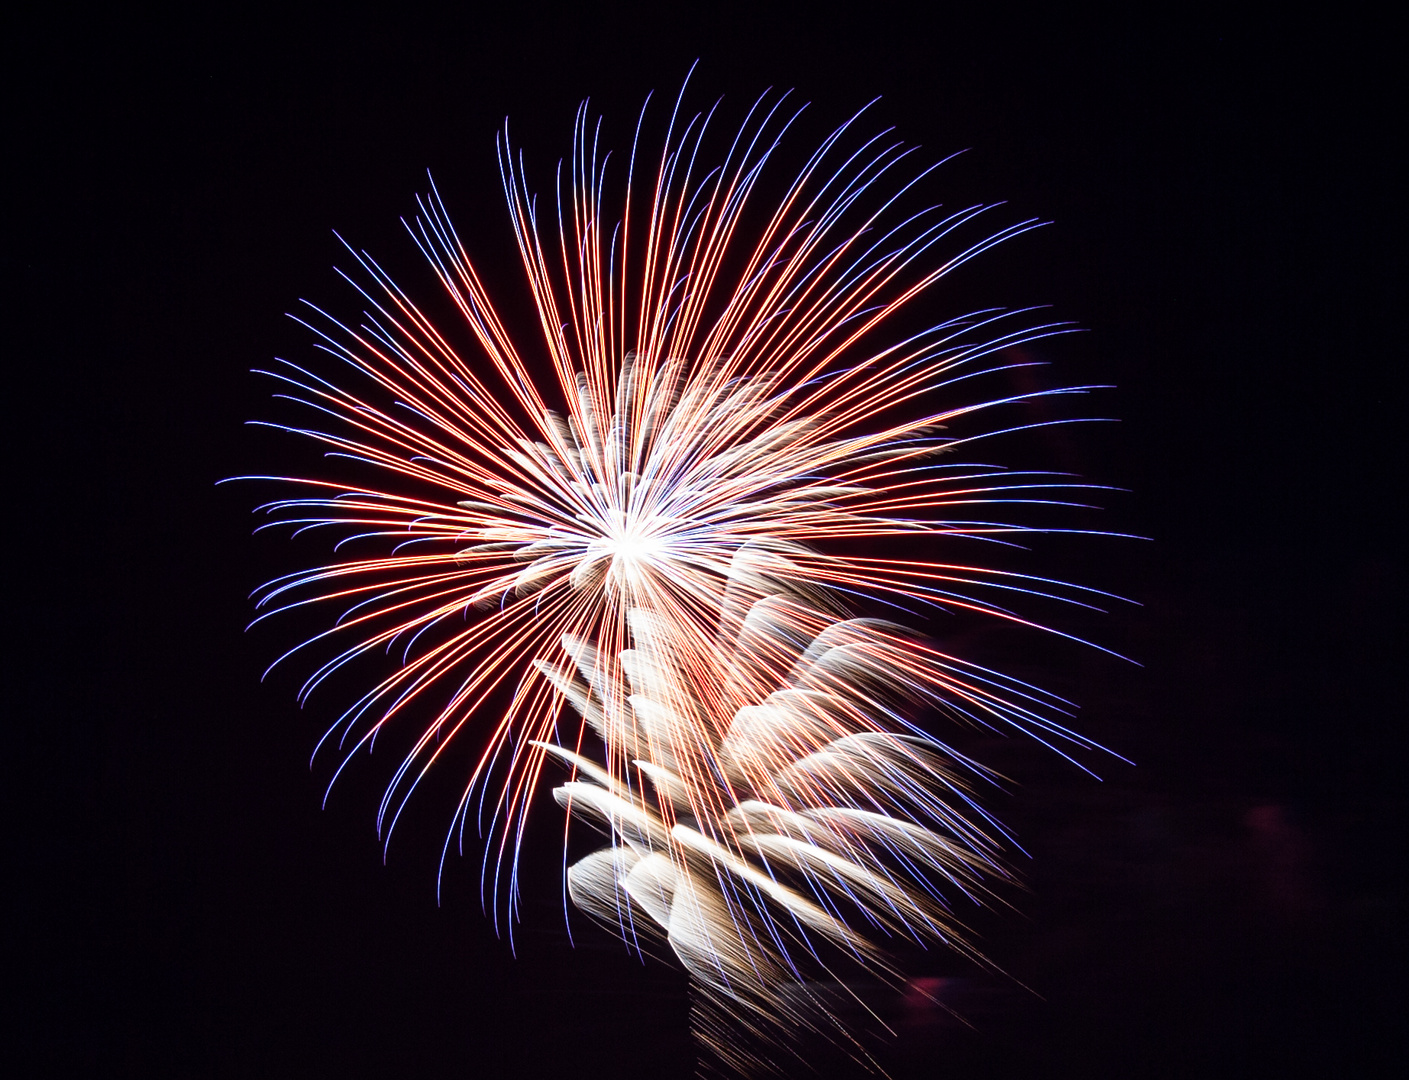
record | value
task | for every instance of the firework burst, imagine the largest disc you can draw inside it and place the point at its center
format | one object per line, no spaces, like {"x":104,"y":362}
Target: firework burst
{"x":728,"y":431}
{"x":774,"y":813}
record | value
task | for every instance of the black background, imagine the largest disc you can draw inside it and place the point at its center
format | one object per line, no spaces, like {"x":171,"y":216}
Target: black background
{"x":1224,"y":225}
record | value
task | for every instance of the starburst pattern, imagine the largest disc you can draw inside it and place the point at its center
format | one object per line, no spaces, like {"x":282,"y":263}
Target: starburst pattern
{"x":680,"y":481}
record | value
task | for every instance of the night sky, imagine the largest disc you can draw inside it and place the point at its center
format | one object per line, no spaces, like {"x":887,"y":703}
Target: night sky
{"x":1223,"y":226}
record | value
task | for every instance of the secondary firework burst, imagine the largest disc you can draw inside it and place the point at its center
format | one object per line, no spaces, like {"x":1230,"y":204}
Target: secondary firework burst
{"x":716,"y":420}
{"x":774,"y":813}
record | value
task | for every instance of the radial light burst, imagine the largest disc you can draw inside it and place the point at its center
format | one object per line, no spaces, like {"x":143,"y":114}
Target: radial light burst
{"x":717,"y":440}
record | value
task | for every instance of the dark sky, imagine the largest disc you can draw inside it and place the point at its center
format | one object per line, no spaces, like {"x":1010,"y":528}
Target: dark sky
{"x":1223,"y":226}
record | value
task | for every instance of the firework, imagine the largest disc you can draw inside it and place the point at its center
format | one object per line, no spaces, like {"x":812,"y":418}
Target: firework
{"x":774,"y":811}
{"x":680,"y":480}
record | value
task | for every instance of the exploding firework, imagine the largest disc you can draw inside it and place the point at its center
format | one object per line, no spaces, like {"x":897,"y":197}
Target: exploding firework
{"x":775,"y":811}
{"x":682,"y":480}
